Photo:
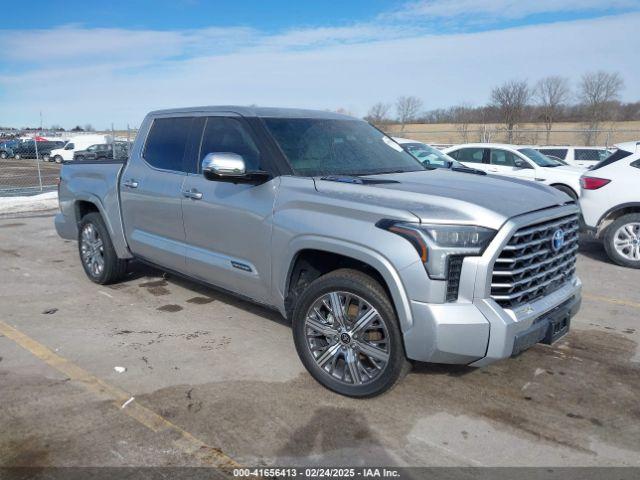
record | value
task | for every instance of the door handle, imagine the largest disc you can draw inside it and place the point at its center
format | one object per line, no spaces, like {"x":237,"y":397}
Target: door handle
{"x":493,"y":169}
{"x":131,"y":184}
{"x":193,"y":194}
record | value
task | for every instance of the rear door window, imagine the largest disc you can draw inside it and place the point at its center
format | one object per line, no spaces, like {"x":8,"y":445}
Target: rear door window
{"x":166,"y":143}
{"x":470,"y":155}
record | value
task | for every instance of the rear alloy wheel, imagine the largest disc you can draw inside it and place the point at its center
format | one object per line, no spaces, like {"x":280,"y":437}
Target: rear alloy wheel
{"x":622,"y":240}
{"x":98,"y":257}
{"x":3,"y":155}
{"x":347,"y":334}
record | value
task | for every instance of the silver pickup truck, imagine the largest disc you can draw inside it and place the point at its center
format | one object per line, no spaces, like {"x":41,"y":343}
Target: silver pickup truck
{"x":375,"y":257}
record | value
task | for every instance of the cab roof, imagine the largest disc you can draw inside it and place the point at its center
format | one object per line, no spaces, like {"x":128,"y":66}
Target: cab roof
{"x":264,"y":112}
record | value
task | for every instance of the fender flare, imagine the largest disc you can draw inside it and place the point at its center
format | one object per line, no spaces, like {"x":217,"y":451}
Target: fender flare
{"x":95,"y":200}
{"x":362,"y":253}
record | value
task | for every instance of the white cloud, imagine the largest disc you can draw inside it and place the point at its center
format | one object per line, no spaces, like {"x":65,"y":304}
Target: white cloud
{"x":510,"y":9}
{"x":335,"y":68}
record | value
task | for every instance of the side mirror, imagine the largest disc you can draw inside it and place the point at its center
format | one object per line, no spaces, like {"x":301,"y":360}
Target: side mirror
{"x":223,"y":165}
{"x":231,"y":167}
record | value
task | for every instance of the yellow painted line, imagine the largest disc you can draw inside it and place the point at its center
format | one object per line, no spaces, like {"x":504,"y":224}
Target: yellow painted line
{"x":615,"y":301}
{"x":181,"y":438}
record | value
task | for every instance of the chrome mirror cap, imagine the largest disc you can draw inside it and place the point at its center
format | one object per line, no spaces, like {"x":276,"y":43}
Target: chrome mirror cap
{"x":223,"y":164}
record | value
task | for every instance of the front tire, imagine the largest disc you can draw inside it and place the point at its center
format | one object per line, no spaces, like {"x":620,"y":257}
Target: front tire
{"x":45,"y":157}
{"x":17,"y":156}
{"x":3,"y":155}
{"x":622,"y":240}
{"x":57,"y":159}
{"x":347,"y":334}
{"x":97,"y":255}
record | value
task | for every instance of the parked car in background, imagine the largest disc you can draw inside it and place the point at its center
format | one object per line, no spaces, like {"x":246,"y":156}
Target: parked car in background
{"x":6,"y":148}
{"x":610,"y":204}
{"x":428,"y":155}
{"x":518,"y":162}
{"x":76,"y":143}
{"x":373,"y":257}
{"x":115,"y":150}
{"x":585,"y":157}
{"x":31,"y":149}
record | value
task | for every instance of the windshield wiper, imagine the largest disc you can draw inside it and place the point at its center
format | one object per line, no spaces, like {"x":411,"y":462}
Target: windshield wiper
{"x":474,"y":171}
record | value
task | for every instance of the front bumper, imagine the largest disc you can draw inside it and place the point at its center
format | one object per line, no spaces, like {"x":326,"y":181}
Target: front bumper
{"x":511,"y":330}
{"x":481,"y":332}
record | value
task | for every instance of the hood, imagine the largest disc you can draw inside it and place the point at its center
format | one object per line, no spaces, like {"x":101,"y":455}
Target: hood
{"x":444,"y":196}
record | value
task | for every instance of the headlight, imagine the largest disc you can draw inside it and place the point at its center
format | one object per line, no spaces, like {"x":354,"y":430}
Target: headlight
{"x":436,"y":243}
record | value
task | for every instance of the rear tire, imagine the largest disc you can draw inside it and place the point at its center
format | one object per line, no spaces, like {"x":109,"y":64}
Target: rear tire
{"x":97,"y":255}
{"x":45,"y":157}
{"x":622,"y":240}
{"x":568,"y":190}
{"x":17,"y":156}
{"x":356,"y":361}
{"x":3,"y":155}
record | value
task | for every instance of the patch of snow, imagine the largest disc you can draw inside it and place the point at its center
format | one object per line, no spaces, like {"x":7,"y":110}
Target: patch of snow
{"x":32,"y":203}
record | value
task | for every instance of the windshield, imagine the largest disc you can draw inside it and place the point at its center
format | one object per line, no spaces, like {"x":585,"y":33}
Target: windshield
{"x":320,"y":147}
{"x":429,"y":156}
{"x":539,"y":158}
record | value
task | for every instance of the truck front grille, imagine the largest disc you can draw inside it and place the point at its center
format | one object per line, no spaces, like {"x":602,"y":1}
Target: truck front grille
{"x":531,"y":265}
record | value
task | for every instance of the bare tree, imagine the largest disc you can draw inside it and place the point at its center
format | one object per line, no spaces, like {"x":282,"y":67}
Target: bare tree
{"x":379,"y":113}
{"x":510,"y":99}
{"x":552,"y":93}
{"x":462,"y":116}
{"x":89,"y":128}
{"x":407,"y":109}
{"x":598,"y":93}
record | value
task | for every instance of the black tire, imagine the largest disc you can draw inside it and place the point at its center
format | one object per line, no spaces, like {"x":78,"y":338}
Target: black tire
{"x":17,"y":156}
{"x":568,"y":190}
{"x":3,"y":155}
{"x":358,"y":283}
{"x":609,"y":238}
{"x":57,"y":159}
{"x":78,"y":157}
{"x":45,"y":157}
{"x":114,"y":267}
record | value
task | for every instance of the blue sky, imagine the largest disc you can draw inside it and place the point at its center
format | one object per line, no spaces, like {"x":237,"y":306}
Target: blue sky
{"x":103,"y":62}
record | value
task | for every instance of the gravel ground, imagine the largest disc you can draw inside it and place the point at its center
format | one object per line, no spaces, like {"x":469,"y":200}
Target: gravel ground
{"x":216,"y":380}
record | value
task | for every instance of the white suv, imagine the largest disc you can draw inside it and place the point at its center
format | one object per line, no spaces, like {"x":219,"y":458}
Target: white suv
{"x":518,"y":162}
{"x":610,"y":204}
{"x":585,"y":157}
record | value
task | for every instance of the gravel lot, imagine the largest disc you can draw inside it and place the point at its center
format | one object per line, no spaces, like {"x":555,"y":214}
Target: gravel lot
{"x":217,"y":380}
{"x":18,"y":177}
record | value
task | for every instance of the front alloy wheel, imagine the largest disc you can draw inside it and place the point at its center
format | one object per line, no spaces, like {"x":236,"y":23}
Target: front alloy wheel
{"x":347,"y":337}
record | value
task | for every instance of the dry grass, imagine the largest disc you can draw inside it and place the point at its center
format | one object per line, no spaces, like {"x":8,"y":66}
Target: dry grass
{"x":528,"y":133}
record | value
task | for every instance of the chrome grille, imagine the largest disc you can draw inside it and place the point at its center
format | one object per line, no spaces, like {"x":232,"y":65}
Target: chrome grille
{"x":529,"y":267}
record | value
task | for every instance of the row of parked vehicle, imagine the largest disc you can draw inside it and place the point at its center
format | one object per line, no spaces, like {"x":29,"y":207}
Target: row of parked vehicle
{"x":603,"y":180}
{"x":81,"y":147}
